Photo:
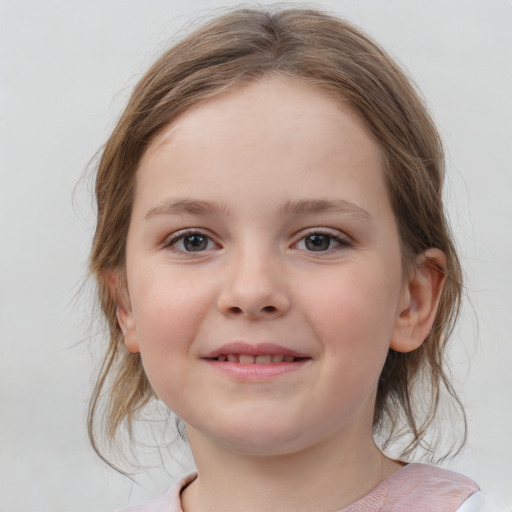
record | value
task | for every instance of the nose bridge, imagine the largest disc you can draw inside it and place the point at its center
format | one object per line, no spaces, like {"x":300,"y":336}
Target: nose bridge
{"x":255,"y":283}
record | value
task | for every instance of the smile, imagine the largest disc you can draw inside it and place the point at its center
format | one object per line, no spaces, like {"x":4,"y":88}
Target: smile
{"x":259,"y":359}
{"x":258,"y":353}
{"x":256,"y":362}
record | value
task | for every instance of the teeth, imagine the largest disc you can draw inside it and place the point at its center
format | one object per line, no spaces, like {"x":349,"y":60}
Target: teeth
{"x":261,"y":359}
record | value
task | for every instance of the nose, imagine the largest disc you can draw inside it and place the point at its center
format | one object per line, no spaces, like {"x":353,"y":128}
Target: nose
{"x":255,"y":287}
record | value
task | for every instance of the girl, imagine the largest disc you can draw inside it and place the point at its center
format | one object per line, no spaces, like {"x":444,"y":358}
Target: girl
{"x":274,"y":264}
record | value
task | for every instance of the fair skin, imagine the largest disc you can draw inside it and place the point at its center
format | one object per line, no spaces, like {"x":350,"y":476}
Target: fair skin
{"x":265,"y":287}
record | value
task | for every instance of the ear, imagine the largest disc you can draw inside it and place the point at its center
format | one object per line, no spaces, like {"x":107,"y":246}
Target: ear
{"x":124,"y":313}
{"x":419,"y":302}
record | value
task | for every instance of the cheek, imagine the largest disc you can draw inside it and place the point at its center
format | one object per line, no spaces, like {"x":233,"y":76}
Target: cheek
{"x":167,"y":314}
{"x":354,"y":314}
{"x":353,"y":319}
{"x":167,"y":309}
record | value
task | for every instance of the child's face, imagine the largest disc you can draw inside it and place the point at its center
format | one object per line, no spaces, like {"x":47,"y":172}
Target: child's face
{"x":262,"y":226}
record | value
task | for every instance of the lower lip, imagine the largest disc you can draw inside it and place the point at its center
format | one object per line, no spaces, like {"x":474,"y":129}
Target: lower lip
{"x":257,"y":371}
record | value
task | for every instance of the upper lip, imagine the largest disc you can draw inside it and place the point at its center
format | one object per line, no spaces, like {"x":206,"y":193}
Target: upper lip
{"x":253,"y":349}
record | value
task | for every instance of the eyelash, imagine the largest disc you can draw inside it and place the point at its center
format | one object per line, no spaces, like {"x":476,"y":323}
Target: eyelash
{"x":182,"y":235}
{"x":342,"y":242}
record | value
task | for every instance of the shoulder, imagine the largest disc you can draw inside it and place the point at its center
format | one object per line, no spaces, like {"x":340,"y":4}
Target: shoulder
{"x":419,"y":487}
{"x":425,"y":475}
{"x":429,"y":487}
{"x":478,"y":502}
{"x":169,"y":501}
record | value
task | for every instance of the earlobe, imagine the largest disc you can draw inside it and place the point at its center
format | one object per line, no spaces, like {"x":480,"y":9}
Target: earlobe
{"x":127,"y":324}
{"x":420,"y":301}
{"x":124,"y":312}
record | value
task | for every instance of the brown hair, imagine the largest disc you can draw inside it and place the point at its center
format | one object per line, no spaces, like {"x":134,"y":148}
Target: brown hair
{"x":240,"y":47}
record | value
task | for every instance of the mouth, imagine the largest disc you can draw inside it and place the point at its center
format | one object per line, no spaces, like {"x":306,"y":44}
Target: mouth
{"x":257,"y":359}
{"x":258,"y":362}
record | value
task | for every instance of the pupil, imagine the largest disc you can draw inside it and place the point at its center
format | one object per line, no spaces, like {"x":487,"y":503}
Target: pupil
{"x":195,"y":242}
{"x":317,"y":242}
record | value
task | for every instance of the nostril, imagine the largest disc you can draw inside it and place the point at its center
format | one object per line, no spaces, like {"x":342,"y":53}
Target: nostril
{"x":236,"y":310}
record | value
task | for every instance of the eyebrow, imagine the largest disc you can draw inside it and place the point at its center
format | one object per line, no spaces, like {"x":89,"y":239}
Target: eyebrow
{"x":301,"y":207}
{"x":325,"y":205}
{"x":184,"y":206}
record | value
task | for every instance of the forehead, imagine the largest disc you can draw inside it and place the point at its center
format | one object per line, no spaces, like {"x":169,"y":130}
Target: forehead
{"x":271,"y":101}
{"x":276,"y":129}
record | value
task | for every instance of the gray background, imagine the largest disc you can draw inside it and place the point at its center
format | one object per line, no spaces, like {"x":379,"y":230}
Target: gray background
{"x":66,"y":68}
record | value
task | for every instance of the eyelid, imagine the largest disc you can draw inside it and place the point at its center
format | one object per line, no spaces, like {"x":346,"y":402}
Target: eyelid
{"x":343,"y":240}
{"x":338,"y":236}
{"x":176,"y":236}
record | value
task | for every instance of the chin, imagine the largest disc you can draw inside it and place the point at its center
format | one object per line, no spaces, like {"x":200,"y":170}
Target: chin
{"x":259,"y":439}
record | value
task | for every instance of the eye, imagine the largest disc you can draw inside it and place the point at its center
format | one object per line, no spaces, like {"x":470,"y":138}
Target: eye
{"x":192,"y":242}
{"x":321,"y":242}
{"x":317,"y":242}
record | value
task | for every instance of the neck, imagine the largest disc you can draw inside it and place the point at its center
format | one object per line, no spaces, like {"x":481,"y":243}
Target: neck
{"x":325,"y":477}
